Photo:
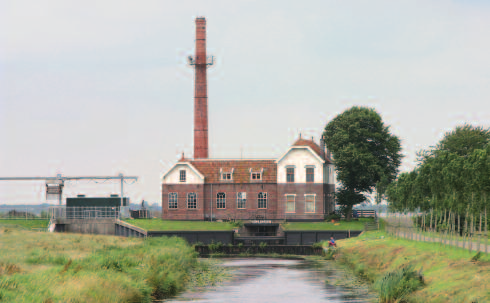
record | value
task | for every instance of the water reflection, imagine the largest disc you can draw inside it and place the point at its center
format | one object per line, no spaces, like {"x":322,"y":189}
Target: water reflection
{"x":275,"y":280}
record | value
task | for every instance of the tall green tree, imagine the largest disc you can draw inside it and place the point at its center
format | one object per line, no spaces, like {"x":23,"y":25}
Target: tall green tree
{"x":464,"y":139}
{"x":365,"y":153}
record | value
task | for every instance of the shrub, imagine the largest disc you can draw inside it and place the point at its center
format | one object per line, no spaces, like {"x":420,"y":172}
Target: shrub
{"x":317,"y":245}
{"x":330,"y":254}
{"x":476,"y":257}
{"x":332,"y":216}
{"x":237,"y":223}
{"x":214,"y":246}
{"x":396,"y":285}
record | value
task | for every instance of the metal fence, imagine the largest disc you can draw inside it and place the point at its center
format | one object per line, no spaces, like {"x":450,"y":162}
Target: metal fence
{"x":12,"y":212}
{"x":402,"y":226}
{"x":84,"y":212}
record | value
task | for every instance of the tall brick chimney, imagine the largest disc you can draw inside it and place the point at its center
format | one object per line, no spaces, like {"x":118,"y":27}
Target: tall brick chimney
{"x":200,"y":92}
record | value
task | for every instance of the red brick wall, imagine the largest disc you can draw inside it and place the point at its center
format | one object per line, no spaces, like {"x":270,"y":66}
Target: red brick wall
{"x":231,"y":211}
{"x":276,"y":201}
{"x":182,"y":212}
{"x":300,"y":189}
{"x":207,"y":199}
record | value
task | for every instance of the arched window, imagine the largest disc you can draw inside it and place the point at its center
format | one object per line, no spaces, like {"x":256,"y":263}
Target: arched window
{"x":262,"y":200}
{"x":220,"y":200}
{"x":172,"y":200}
{"x":191,"y":200}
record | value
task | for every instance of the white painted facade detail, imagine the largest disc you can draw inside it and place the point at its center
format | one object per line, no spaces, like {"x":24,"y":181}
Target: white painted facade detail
{"x":329,"y":174}
{"x":300,"y":158}
{"x":192,"y":175}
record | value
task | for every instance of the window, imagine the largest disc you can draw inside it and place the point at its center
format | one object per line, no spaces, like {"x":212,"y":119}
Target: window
{"x":191,"y":200}
{"x":290,"y":174}
{"x":290,"y":208}
{"x":262,"y":200}
{"x":309,"y":203}
{"x":241,"y":199}
{"x":225,"y":176}
{"x":182,"y":176}
{"x":256,"y":176}
{"x":310,"y":174}
{"x":172,"y":200}
{"x":221,"y":200}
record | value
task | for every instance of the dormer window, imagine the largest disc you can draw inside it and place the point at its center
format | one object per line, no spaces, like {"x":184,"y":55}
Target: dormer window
{"x":182,"y":176}
{"x":256,"y":175}
{"x":226,"y":176}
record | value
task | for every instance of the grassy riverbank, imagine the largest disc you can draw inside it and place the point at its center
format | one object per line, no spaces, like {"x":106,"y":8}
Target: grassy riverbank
{"x":21,"y":223}
{"x":159,"y":224}
{"x":449,"y":274}
{"x":52,"y":267}
{"x":341,"y":225}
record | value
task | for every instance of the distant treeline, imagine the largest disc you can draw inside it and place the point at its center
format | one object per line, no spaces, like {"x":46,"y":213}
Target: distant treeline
{"x":453,"y":176}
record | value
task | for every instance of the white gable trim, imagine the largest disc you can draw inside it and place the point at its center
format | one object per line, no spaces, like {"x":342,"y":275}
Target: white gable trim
{"x":184,"y":163}
{"x":301,"y":147}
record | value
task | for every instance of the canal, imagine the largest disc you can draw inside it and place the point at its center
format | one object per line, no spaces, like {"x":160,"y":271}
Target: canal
{"x":281,"y":280}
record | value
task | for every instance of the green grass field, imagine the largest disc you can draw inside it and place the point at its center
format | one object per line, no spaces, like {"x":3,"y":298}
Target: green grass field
{"x":159,"y":224}
{"x":342,"y":225}
{"x":27,"y":224}
{"x":450,"y":274}
{"x":57,"y":267}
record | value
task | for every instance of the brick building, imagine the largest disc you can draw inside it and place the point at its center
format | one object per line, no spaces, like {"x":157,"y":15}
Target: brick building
{"x":296,"y":186}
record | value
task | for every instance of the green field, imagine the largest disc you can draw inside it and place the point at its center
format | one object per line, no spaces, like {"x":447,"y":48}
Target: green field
{"x":27,"y":224}
{"x":450,"y":274}
{"x":342,"y":225}
{"x":159,"y":224}
{"x":57,"y":267}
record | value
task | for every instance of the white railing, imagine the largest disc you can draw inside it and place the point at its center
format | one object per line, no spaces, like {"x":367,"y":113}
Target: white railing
{"x":84,"y":212}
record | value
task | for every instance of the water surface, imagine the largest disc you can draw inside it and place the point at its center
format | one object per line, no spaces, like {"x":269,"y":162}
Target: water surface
{"x":278,"y":280}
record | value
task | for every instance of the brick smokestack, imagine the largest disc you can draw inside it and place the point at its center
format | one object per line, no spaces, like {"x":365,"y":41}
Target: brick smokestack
{"x":200,"y":93}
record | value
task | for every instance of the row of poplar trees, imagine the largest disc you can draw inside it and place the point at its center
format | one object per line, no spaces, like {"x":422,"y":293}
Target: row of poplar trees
{"x":451,"y":181}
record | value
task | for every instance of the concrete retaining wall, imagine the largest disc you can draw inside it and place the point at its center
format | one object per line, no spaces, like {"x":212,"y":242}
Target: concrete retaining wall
{"x":308,"y":237}
{"x":205,"y":237}
{"x":86,"y":226}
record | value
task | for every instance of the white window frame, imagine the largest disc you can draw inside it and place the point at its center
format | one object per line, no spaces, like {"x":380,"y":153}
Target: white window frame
{"x":256,"y":173}
{"x":242,"y":199}
{"x":259,"y":198}
{"x":182,"y":175}
{"x":227,"y":174}
{"x":176,"y":200}
{"x":287,"y":174}
{"x":189,"y":200}
{"x":314,"y":203}
{"x":306,"y":172}
{"x":221,"y":199}
{"x":294,"y":203}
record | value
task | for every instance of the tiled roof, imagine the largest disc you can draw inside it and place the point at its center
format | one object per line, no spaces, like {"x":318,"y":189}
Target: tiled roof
{"x":315,"y":147}
{"x":241,"y":173}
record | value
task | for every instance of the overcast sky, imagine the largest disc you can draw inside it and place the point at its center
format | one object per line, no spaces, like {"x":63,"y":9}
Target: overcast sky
{"x":102,"y":87}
